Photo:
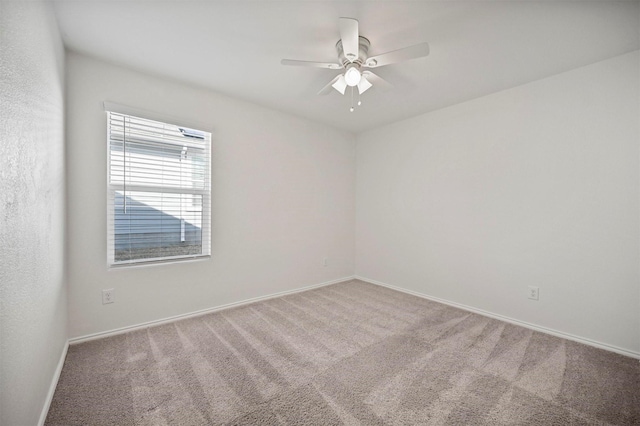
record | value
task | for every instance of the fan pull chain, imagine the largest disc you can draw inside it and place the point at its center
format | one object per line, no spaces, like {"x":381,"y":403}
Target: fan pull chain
{"x":351,"y":109}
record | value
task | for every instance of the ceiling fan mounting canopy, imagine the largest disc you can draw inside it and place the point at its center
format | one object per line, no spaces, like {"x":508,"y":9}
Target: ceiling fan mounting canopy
{"x":363,"y":52}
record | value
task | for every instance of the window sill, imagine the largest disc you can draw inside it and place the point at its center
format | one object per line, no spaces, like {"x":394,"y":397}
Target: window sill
{"x":156,"y":262}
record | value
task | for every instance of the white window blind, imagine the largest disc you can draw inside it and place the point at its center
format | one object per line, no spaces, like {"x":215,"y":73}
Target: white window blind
{"x":159,"y":194}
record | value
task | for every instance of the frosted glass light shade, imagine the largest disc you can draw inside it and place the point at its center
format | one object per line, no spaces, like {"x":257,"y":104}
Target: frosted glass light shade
{"x":340,"y":85}
{"x":352,"y":76}
{"x":364,"y":85}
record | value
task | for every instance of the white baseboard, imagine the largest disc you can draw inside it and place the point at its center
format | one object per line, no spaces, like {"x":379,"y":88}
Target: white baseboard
{"x":54,"y":384}
{"x":126,"y":329}
{"x":541,"y":329}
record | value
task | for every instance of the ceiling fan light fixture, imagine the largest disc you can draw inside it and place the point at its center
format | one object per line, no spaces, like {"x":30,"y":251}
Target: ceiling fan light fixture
{"x":352,"y":76}
{"x":364,"y":85}
{"x":340,"y":85}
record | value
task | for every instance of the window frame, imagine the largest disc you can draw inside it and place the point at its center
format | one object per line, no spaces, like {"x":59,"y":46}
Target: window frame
{"x":113,"y":188}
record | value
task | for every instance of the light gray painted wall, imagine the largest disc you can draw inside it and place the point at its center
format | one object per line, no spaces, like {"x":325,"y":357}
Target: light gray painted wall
{"x":536,"y":185}
{"x":33,"y":292}
{"x":283,"y":199}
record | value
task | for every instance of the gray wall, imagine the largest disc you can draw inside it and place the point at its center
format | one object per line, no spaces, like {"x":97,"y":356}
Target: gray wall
{"x":33,"y":292}
{"x":282,"y":190}
{"x":536,"y":185}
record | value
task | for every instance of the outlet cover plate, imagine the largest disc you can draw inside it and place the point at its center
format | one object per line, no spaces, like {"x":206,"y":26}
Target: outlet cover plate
{"x":534,"y":292}
{"x":107,"y":296}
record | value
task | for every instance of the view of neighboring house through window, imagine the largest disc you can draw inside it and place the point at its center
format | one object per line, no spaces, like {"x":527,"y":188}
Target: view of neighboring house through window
{"x":158,"y":191}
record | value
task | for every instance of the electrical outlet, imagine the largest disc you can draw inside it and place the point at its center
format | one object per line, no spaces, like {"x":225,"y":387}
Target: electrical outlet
{"x":326,"y":261}
{"x":533,"y":292}
{"x":107,"y":296}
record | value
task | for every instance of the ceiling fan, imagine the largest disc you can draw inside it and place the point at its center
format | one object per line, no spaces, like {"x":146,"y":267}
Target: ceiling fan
{"x":353,"y":50}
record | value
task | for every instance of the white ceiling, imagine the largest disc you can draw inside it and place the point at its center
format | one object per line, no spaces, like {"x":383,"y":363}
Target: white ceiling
{"x":235,"y":47}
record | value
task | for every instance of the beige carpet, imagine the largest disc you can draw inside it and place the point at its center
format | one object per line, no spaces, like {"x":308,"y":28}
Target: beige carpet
{"x":350,"y":353}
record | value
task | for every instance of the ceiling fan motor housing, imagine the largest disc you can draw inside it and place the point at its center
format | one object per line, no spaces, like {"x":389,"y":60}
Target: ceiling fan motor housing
{"x":363,"y":52}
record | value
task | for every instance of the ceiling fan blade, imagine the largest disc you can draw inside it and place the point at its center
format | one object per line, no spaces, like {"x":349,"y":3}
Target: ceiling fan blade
{"x":349,"y":36}
{"x":340,"y":84}
{"x":378,"y":82}
{"x":328,"y":65}
{"x":327,"y":89}
{"x":400,"y":55}
{"x":364,"y":84}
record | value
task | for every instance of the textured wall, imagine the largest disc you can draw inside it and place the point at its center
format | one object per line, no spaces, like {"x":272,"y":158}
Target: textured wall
{"x":33,"y":299}
{"x":283,"y":200}
{"x":537,"y":185}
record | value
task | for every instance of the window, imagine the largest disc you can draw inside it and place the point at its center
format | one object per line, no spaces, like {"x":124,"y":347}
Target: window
{"x":158,"y":205}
